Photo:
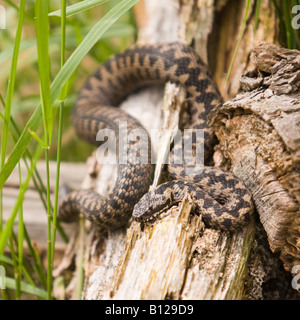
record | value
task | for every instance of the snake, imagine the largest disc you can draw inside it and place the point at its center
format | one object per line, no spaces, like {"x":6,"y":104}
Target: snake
{"x":218,"y":196}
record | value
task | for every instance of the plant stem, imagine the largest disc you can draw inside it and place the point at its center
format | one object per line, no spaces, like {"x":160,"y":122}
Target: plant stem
{"x":9,"y":95}
{"x":60,"y":123}
{"x":49,"y":245}
{"x":239,"y":39}
{"x":20,"y":237}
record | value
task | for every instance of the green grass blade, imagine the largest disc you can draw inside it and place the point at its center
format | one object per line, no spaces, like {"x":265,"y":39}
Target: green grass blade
{"x":6,"y":259}
{"x":20,"y":238}
{"x":38,"y":139}
{"x":37,"y":265}
{"x":63,"y":93}
{"x":60,"y":126}
{"x":9,"y":95}
{"x":25,"y":287}
{"x":78,"y":7}
{"x":15,"y":266}
{"x":88,"y":42}
{"x":11,"y":84}
{"x":38,"y":183}
{"x":61,"y":79}
{"x":10,"y":222}
{"x":42,"y":37}
{"x":10,"y":261}
{"x":49,"y":218}
{"x":239,"y":39}
{"x":257,"y":11}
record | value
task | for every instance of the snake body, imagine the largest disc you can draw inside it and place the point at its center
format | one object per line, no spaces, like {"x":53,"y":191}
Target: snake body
{"x":221,"y":198}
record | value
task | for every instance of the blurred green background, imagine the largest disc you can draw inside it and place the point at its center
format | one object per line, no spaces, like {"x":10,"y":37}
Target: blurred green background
{"x":26,"y":93}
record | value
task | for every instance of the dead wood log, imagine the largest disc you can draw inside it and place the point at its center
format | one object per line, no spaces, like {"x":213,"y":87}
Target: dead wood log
{"x":177,"y":257}
{"x":259,"y":135}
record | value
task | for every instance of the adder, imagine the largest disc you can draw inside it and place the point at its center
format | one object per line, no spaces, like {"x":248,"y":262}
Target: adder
{"x":222,"y":199}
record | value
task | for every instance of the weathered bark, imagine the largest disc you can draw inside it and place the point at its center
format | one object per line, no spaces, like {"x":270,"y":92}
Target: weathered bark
{"x":259,"y":135}
{"x":215,"y":28}
{"x":177,"y":257}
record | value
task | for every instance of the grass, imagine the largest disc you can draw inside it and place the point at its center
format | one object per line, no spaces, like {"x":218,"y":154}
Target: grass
{"x":40,"y":52}
{"x":52,"y":84}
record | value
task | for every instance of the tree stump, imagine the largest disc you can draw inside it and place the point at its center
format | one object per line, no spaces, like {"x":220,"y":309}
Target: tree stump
{"x":177,"y":257}
{"x":259,"y":134}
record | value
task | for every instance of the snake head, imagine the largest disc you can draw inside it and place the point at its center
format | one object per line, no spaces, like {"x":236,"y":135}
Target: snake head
{"x":152,"y":204}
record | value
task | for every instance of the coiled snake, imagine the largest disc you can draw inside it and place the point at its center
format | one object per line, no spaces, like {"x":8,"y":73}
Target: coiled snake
{"x":222,"y":199}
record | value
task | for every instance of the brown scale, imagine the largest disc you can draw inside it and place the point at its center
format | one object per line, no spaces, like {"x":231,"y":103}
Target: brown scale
{"x":96,"y":108}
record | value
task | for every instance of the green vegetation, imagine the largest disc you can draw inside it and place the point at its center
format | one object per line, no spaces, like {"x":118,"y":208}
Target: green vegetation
{"x":40,"y":51}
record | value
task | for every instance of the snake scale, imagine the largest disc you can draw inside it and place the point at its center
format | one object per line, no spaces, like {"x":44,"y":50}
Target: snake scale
{"x":221,"y":198}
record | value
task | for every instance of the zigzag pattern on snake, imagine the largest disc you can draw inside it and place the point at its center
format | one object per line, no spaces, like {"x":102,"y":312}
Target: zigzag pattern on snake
{"x":221,"y":198}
